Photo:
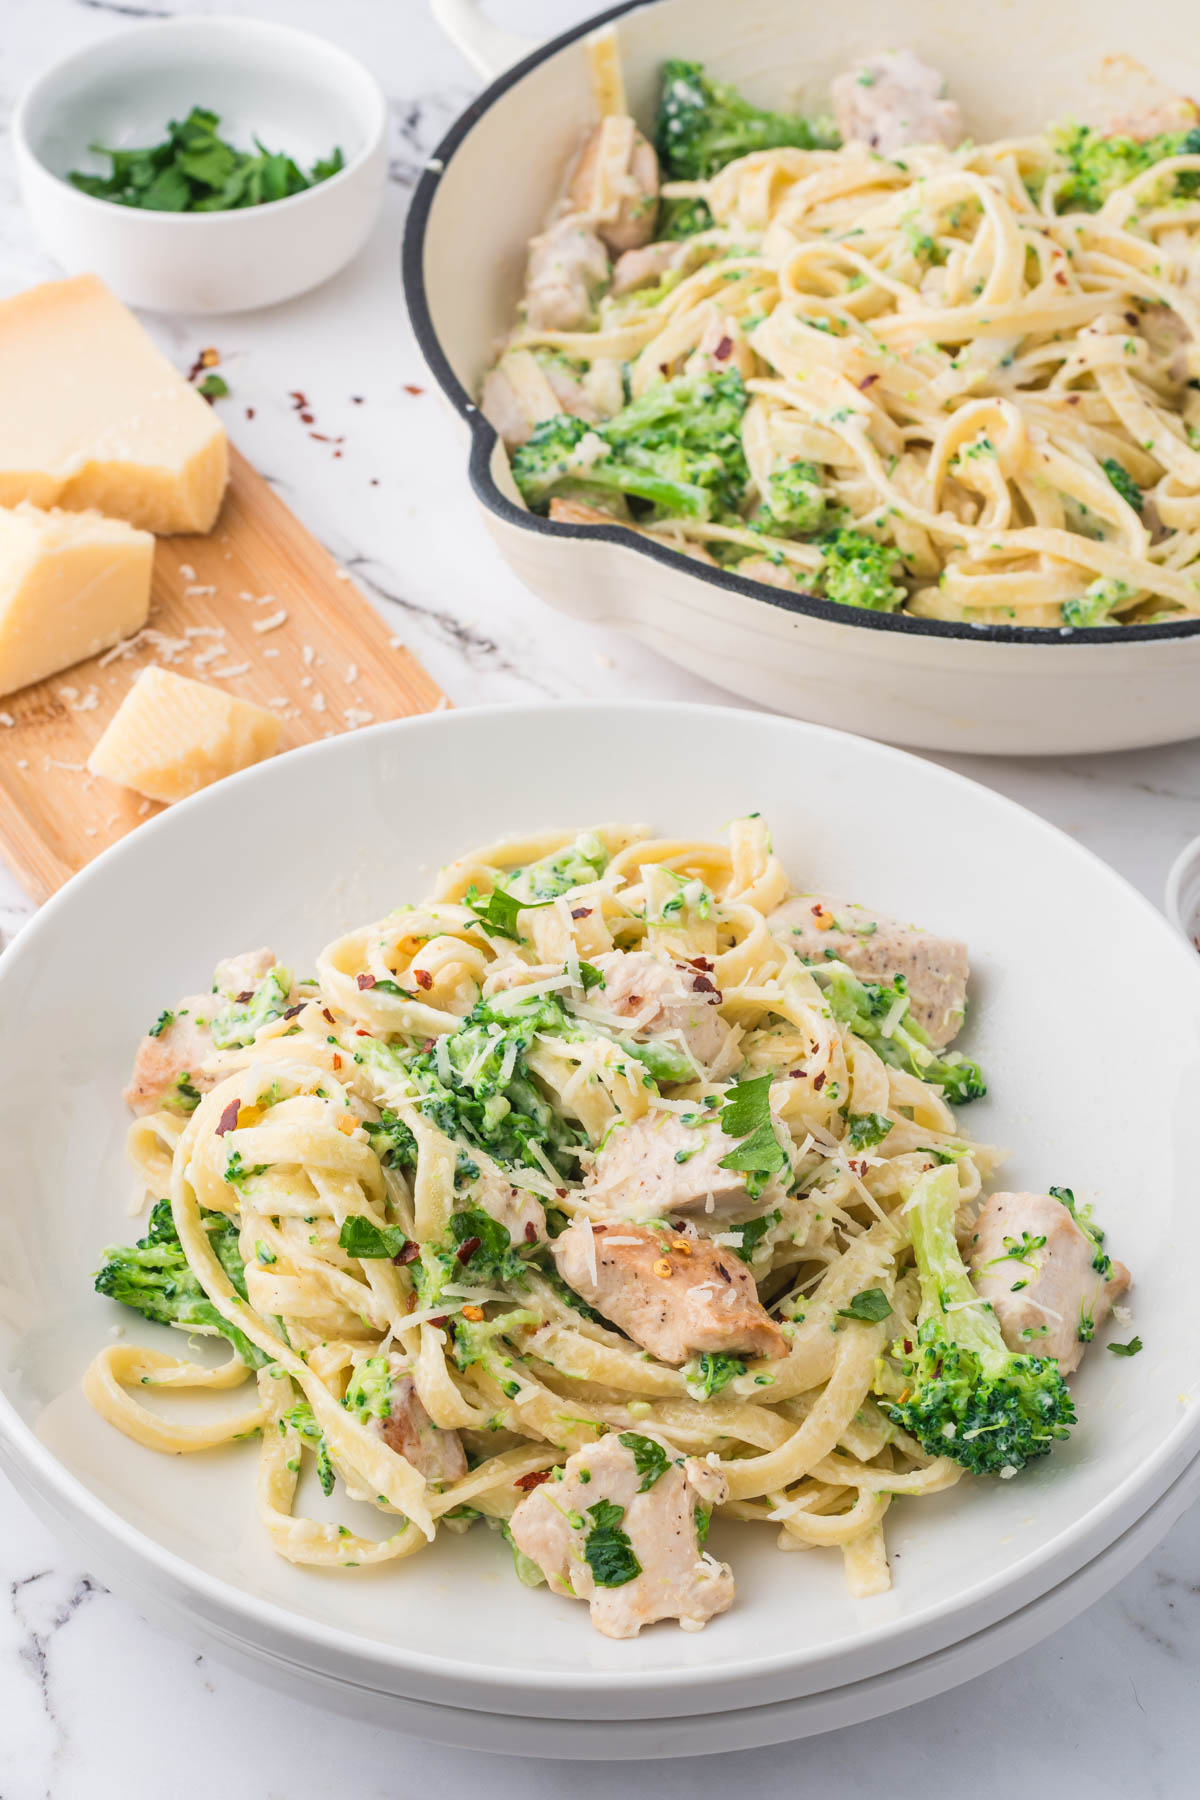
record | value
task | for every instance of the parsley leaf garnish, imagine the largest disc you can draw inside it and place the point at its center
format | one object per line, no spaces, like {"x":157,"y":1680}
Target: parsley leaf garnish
{"x":1130,"y":1349}
{"x":608,"y":1550}
{"x":747,"y":1114}
{"x":497,"y":912}
{"x":871,"y":1305}
{"x":164,"y":1019}
{"x":363,"y":1238}
{"x":650,"y":1459}
{"x":866,"y":1129}
{"x":754,"y":1230}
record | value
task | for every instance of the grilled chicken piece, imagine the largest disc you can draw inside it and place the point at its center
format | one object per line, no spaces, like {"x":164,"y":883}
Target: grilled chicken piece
{"x":646,"y":1562}
{"x":657,"y":1165}
{"x":184,"y":1042}
{"x":568,"y":266}
{"x":178,"y":1049}
{"x":436,"y":1454}
{"x":675,"y":1296}
{"x":520,"y":392}
{"x":519,"y":1211}
{"x":615,"y":184}
{"x":1033,"y":1244}
{"x":895,"y":99}
{"x":658,"y":995}
{"x":646,"y":266}
{"x":878,"y":948}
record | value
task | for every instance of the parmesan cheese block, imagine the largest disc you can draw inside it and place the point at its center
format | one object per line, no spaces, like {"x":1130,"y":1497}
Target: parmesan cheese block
{"x":171,"y":735}
{"x":71,"y":584}
{"x":91,"y":414}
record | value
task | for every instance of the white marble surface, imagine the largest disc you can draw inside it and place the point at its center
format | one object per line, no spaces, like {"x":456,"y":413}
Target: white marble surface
{"x":94,"y":1702}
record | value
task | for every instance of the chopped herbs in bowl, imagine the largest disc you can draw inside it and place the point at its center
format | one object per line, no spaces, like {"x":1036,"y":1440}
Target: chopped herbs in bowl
{"x":195,"y":170}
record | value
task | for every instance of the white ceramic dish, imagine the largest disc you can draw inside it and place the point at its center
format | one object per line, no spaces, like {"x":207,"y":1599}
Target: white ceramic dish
{"x":340,"y":833}
{"x":925,"y":682}
{"x":1182,"y":900}
{"x":297,"y":92}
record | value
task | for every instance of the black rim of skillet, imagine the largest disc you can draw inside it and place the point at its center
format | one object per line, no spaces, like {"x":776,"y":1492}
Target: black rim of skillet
{"x":484,"y":437}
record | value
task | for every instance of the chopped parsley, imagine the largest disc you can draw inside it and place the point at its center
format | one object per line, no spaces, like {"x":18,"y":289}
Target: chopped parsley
{"x":866,"y":1129}
{"x":607,"y":1549}
{"x":746,"y":1114}
{"x":650,"y":1459}
{"x":871,"y":1305}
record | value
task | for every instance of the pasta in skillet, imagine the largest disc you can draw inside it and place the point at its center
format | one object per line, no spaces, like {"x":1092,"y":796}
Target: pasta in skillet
{"x":614,"y":1185}
{"x":874,"y":362}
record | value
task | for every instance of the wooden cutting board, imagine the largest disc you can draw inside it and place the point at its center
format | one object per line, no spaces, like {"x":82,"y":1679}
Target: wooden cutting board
{"x":258,"y":609}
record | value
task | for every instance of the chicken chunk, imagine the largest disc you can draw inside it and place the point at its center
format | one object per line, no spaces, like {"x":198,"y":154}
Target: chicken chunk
{"x":645,"y":267}
{"x":624,"y":1538}
{"x":519,"y":1211}
{"x":521,"y":391}
{"x":408,"y":1430}
{"x":878,"y":948}
{"x":615,"y":184}
{"x":675,"y":1296}
{"x":172,"y":1051}
{"x":656,"y":1165}
{"x":660,"y":996}
{"x":568,"y":266}
{"x":895,"y":99}
{"x":181,"y":1040}
{"x":1036,"y":1265}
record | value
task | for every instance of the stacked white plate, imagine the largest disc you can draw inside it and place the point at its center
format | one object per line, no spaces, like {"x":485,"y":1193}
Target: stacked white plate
{"x":1086,"y":1016}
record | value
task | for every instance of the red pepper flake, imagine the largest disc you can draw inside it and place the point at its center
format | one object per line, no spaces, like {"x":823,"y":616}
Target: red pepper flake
{"x":442,"y":1319}
{"x":337,"y":1061}
{"x":249,"y":412}
{"x":229,"y":1118}
{"x":293,"y":1010}
{"x":322,"y":437}
{"x":581,"y":912}
{"x":723,"y":349}
{"x":296,"y":397}
{"x":1060,"y":278}
{"x":700,"y":962}
{"x":868,"y":381}
{"x":818,"y":1081}
{"x":424,"y":979}
{"x":336,"y":454}
{"x":410,"y":387}
{"x":534,"y":1479}
{"x":327,"y":1015}
{"x":359,"y":1032}
{"x":634,"y":1001}
{"x":407,"y":1253}
{"x":1131,"y":319}
{"x":357,"y":399}
{"x":428,"y":1045}
{"x":245,"y":998}
{"x":530,"y":1232}
{"x":468,"y":1247}
{"x":702,"y":985}
{"x":374,"y":481}
{"x":366,"y":981}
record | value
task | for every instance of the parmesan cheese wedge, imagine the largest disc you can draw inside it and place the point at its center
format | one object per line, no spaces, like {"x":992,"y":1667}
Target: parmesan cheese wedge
{"x":71,"y":584}
{"x":93,"y":415}
{"x":171,"y":736}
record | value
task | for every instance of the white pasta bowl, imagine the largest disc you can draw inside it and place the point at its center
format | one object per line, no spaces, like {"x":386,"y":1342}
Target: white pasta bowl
{"x":1086,"y":1019}
{"x":935,"y":684}
{"x":298,"y":93}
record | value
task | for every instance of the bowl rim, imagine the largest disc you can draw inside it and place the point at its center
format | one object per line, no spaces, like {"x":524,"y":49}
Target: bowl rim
{"x":252,"y":1614}
{"x":333,"y":56}
{"x":484,"y":437}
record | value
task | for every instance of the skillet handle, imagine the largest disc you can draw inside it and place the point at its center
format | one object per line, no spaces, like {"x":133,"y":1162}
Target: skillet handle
{"x":488,"y":48}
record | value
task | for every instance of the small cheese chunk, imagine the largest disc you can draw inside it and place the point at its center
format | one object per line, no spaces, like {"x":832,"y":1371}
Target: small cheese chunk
{"x":71,"y":584}
{"x":92,"y":414}
{"x":170,"y":736}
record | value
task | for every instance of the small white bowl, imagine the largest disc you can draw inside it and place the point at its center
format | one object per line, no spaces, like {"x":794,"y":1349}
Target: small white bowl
{"x":297,"y":93}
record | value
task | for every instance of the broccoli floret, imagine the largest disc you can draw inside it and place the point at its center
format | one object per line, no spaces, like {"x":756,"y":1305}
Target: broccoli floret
{"x":684,"y":219}
{"x":369,"y":1391}
{"x":795,"y":498}
{"x":154,"y":1277}
{"x":675,"y":452}
{"x":1094,"y":605}
{"x":878,"y":1012}
{"x":966,"y":1395}
{"x":705,"y":1375}
{"x":303,"y":1420}
{"x":1098,"y":164}
{"x":704,"y":124}
{"x":859,"y":571}
{"x":1124,"y":483}
{"x":236,"y":1022}
{"x":572,"y":866}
